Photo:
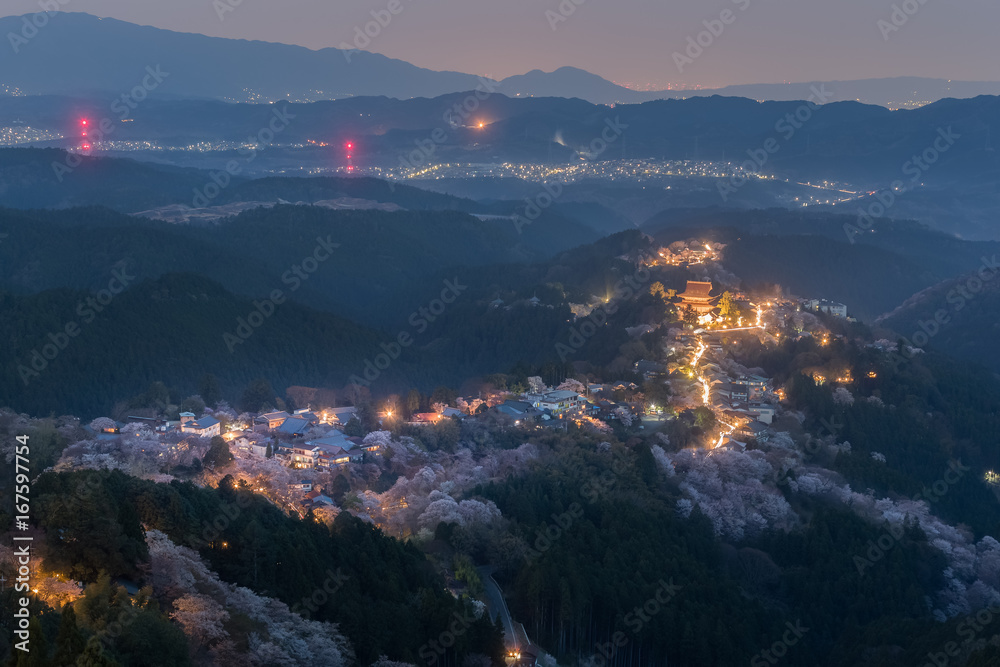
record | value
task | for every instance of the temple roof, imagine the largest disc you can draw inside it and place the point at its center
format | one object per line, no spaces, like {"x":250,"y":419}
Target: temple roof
{"x":697,"y":291}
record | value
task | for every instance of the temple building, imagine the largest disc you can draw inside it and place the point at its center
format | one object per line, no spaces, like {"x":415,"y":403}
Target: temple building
{"x":698,"y":297}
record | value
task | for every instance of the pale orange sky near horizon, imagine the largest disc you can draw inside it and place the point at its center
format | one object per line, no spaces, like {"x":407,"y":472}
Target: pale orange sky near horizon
{"x":626,"y":41}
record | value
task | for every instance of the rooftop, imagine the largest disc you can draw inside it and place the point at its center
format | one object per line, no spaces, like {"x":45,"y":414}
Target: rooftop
{"x":697,"y":290}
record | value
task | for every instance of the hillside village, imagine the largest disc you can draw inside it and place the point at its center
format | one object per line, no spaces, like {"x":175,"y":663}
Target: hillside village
{"x":298,"y":457}
{"x":695,"y":410}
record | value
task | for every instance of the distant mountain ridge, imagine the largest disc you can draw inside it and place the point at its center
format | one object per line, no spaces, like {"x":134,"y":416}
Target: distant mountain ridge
{"x":81,"y":53}
{"x":78,"y":53}
{"x":894,"y":93}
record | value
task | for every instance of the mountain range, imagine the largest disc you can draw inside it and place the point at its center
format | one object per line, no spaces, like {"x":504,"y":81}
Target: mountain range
{"x":940,"y":157}
{"x":78,"y":53}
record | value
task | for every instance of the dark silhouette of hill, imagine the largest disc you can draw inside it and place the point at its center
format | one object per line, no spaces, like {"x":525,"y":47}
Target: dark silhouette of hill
{"x":80,"y":53}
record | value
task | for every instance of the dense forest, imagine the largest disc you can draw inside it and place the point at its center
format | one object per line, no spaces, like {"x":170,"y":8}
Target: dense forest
{"x":175,"y":328}
{"x":958,"y":316}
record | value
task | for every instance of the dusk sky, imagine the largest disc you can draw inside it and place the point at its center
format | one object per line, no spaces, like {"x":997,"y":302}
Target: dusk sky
{"x":627,"y":41}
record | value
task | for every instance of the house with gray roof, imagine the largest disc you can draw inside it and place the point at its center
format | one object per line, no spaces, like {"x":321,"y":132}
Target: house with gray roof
{"x":206,"y":427}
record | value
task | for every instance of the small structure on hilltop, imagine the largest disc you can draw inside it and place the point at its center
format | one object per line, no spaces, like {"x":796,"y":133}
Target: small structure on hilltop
{"x":824,"y":306}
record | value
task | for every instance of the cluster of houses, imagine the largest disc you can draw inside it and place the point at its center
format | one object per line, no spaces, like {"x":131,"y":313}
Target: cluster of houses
{"x":310,"y":497}
{"x":544,"y":406}
{"x":745,"y":401}
{"x":206,"y":427}
{"x":423,"y":418}
{"x":557,"y":407}
{"x":287,"y":434}
{"x":689,"y":253}
{"x":824,"y":306}
{"x":292,"y":445}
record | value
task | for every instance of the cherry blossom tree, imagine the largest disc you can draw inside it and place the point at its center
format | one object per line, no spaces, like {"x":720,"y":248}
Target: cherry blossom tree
{"x":728,"y":487}
{"x":841,"y":396}
{"x":663,"y":460}
{"x":572,"y":385}
{"x":625,"y":416}
{"x":201,"y":617}
{"x":202,"y":603}
{"x":102,"y":424}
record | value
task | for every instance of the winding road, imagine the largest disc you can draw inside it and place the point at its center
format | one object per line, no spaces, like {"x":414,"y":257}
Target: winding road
{"x":515,"y":636}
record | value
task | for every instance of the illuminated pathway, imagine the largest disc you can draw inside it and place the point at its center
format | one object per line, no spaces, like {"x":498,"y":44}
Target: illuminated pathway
{"x":705,"y":387}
